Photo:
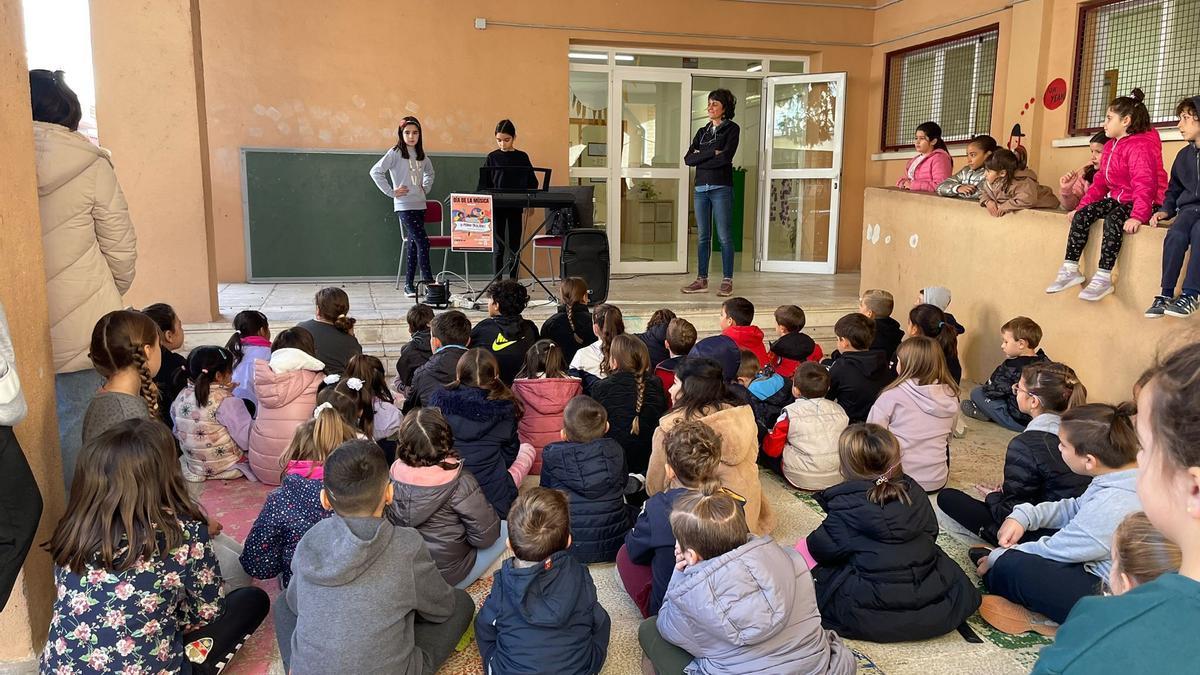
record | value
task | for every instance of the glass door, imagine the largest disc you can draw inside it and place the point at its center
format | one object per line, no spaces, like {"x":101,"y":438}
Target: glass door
{"x":798,"y":217}
{"x":648,"y":226}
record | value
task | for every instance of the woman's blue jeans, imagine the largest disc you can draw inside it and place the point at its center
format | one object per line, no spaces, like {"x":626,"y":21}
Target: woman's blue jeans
{"x":714,"y":205}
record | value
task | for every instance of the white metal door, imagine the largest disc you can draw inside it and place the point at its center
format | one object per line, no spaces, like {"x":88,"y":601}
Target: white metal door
{"x":801,"y":174}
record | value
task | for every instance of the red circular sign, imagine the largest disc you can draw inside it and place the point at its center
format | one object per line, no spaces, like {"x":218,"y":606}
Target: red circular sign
{"x":1056,"y":94}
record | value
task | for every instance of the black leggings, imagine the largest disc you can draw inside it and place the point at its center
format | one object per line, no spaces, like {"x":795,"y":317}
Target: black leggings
{"x":245,"y":609}
{"x":1114,"y":214}
{"x":977,"y":517}
{"x":508,"y":241}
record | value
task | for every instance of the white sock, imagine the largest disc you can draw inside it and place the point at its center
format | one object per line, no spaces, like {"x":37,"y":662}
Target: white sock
{"x":1104,"y":274}
{"x":1071,"y":265}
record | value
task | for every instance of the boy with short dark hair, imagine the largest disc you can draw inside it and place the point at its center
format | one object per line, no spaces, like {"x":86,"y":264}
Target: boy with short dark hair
{"x":449,"y":335}
{"x":590,"y":469}
{"x":681,"y":337}
{"x":803,"y":446}
{"x":737,"y":323}
{"x":542,"y":614}
{"x":747,"y":368}
{"x":417,"y":351}
{"x":857,"y":377}
{"x":346,"y":610}
{"x":1181,"y":206}
{"x":878,"y":304}
{"x":995,"y":400}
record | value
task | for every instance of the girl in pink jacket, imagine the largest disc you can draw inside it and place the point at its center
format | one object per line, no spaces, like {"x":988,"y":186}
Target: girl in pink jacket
{"x":286,"y":388}
{"x":932,"y":165}
{"x":1074,"y":185}
{"x":544,"y":388}
{"x":1125,"y":192}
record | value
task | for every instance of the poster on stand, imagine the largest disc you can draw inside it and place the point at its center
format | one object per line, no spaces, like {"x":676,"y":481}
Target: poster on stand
{"x":471,"y":222}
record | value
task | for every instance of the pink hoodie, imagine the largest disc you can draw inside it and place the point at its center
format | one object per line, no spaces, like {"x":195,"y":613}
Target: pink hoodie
{"x":922,"y":417}
{"x":930,"y":172}
{"x":287,"y":395}
{"x":1131,"y":172}
{"x":544,"y":400}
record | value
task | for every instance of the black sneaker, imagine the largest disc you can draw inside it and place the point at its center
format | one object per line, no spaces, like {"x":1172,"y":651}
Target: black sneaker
{"x":1158,"y":308}
{"x":977,"y":553}
{"x":1183,"y":306}
{"x":409,"y":291}
{"x":971,"y":410}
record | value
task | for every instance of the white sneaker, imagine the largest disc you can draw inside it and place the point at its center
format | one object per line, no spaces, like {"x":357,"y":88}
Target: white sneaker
{"x":1097,"y":289}
{"x":1067,"y":277}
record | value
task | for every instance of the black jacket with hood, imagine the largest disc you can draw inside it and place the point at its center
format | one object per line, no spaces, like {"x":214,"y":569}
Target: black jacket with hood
{"x":412,"y":356}
{"x":856,"y":378}
{"x":655,"y":340}
{"x":543,"y":619}
{"x":618,"y":394}
{"x":508,"y":338}
{"x":485,"y":436}
{"x":593,"y":475}
{"x":999,"y":385}
{"x":888,"y":335}
{"x":880,"y":574}
{"x":433,"y":376}
{"x":563,"y":330}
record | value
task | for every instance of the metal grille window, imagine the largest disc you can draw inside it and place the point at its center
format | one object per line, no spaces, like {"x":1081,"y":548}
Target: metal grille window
{"x":949,"y":82}
{"x":1149,"y":44}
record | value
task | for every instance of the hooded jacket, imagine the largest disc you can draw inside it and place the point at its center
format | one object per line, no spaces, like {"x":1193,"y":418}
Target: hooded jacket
{"x":254,"y":348}
{"x":927,"y":171}
{"x":618,"y":393}
{"x":593,"y":476}
{"x":751,"y":610}
{"x":1183,"y":190}
{"x":286,"y":388}
{"x":922,"y":418}
{"x":485,"y":436}
{"x":856,"y":378}
{"x":880,"y":574}
{"x":544,"y":399}
{"x":738,"y":470}
{"x":414,"y":354}
{"x":563,"y":329}
{"x":289,"y":512}
{"x":88,"y":240}
{"x":1085,"y":524}
{"x":508,"y":338}
{"x":543,"y":619}
{"x":999,"y":385}
{"x":433,"y":376}
{"x":449,"y":510}
{"x":345,"y":565}
{"x":806,"y":436}
{"x":1034,"y":471}
{"x":1023,"y":192}
{"x":749,"y":338}
{"x":1131,"y":172}
{"x":965,"y":176}
{"x":655,"y":340}
{"x":723,"y":350}
{"x":888,"y":336}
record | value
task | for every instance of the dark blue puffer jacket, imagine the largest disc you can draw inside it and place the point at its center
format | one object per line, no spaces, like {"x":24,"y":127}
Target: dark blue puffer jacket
{"x":485,"y":436}
{"x":593,"y":476}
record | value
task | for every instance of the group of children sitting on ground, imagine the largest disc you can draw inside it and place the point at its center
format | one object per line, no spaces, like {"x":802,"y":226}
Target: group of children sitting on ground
{"x":648,"y":448}
{"x":1124,"y":185}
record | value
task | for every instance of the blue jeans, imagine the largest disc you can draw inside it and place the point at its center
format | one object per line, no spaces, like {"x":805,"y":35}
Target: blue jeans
{"x":995,"y":409}
{"x":715,"y":204}
{"x":1184,"y":233}
{"x":413,"y":223}
{"x":73,"y":394}
{"x":484,"y":557}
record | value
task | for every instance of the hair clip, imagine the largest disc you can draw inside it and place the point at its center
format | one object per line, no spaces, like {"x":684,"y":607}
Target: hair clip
{"x":204,"y":371}
{"x":332,"y":379}
{"x":941,"y":323}
{"x":324,"y":406}
{"x":354,"y":383}
{"x":237,"y":332}
{"x":881,"y":480}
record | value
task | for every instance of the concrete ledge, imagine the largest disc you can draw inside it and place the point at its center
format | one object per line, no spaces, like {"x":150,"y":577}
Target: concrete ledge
{"x":998,"y":268}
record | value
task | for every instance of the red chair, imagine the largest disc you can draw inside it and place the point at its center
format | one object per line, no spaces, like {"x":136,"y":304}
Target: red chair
{"x":550,"y":242}
{"x":433,"y":214}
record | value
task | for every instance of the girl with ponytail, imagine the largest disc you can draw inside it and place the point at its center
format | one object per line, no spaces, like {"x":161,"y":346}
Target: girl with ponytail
{"x":544,"y":389}
{"x":211,"y":424}
{"x":1034,"y":470}
{"x":607,"y":323}
{"x":633,"y":398}
{"x":172,"y":373}
{"x":1096,"y":440}
{"x":877,"y":522}
{"x":295,"y":506}
{"x":333,"y":330}
{"x":251,"y":340}
{"x":571,"y":328}
{"x":928,"y":320}
{"x":125,"y":350}
{"x":366,"y":384}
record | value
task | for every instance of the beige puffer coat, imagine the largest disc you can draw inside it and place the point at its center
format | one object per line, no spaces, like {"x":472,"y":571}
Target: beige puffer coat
{"x":89,"y":243}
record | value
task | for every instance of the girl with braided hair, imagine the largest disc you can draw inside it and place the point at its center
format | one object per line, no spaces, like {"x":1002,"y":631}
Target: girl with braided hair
{"x":571,"y":327}
{"x":593,"y":360}
{"x":124,"y":349}
{"x":634,"y":399}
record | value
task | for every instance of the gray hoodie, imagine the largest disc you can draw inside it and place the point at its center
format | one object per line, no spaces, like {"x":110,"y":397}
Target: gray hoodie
{"x":1085,"y":523}
{"x":356,"y":588}
{"x":416,"y":174}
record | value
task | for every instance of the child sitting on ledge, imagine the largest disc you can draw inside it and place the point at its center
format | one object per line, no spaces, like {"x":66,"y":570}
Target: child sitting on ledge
{"x":1010,"y":188}
{"x":967,"y":182}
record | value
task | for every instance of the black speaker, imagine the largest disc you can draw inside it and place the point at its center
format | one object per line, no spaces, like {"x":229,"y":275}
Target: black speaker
{"x":585,"y":254}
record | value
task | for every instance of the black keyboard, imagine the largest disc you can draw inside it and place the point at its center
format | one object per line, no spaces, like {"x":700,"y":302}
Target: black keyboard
{"x":531,"y":200}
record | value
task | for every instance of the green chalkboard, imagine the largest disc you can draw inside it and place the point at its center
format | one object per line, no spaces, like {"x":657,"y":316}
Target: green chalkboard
{"x":313,"y":214}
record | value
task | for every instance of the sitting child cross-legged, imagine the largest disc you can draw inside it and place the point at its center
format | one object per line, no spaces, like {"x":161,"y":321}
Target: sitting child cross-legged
{"x":803,"y":445}
{"x":348,"y":608}
{"x":438,"y":497}
{"x":737,"y":603}
{"x":590,"y":469}
{"x":860,"y":373}
{"x":542,"y":614}
{"x":994,"y":400}
{"x":1050,"y":575}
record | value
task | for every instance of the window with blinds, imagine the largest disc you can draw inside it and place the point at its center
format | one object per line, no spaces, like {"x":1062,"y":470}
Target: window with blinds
{"x":950,"y":82}
{"x":1122,"y":44}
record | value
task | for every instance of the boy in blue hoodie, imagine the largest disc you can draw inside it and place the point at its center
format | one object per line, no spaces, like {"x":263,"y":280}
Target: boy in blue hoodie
{"x":1050,"y":575}
{"x":1182,"y":204}
{"x":542,"y":615}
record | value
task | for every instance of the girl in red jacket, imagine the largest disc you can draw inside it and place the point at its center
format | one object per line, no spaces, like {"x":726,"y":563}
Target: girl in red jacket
{"x":544,"y":388}
{"x":927,"y":170}
{"x":1125,"y":192}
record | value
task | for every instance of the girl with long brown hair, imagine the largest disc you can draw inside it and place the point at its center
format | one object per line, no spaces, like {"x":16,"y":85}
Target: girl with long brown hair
{"x":124,"y":349}
{"x":634,"y":399}
{"x":571,"y":327}
{"x":607,"y":323}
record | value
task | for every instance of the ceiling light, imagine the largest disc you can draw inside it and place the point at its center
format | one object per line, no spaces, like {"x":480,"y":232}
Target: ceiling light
{"x":755,"y":68}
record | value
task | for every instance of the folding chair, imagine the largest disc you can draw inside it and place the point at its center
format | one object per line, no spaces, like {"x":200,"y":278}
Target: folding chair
{"x":441,"y":240}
